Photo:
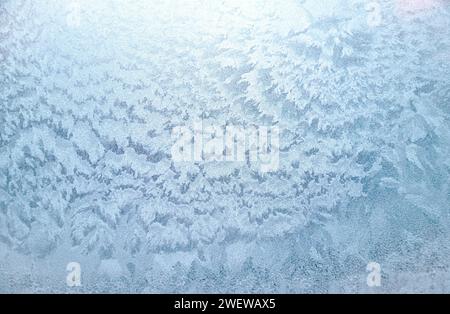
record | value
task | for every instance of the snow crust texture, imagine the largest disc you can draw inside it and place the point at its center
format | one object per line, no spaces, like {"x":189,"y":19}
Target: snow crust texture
{"x":91,"y":90}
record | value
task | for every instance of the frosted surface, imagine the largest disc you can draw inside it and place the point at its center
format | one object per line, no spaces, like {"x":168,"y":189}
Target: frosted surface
{"x":89,"y":96}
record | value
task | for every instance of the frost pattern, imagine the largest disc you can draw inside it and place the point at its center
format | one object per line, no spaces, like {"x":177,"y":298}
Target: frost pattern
{"x":86,"y":114}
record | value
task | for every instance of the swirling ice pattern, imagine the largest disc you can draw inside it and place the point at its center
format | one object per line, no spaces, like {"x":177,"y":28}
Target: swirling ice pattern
{"x":88,"y":102}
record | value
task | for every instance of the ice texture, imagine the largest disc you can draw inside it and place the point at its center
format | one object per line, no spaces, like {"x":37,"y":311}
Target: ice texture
{"x":90,"y":91}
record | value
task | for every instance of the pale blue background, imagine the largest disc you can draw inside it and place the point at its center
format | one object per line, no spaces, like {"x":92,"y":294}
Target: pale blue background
{"x":88,"y":102}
